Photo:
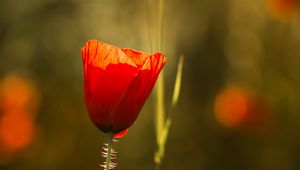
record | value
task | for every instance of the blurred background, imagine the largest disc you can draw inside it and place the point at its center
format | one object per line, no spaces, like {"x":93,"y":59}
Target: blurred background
{"x":239,"y":107}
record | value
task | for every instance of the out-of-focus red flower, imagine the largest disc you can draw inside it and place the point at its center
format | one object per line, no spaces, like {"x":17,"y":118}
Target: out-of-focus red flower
{"x":117,"y":83}
{"x":240,"y":107}
{"x":17,"y":93}
{"x":231,"y":106}
{"x":16,"y":131}
{"x":282,"y":10}
{"x":18,"y":105}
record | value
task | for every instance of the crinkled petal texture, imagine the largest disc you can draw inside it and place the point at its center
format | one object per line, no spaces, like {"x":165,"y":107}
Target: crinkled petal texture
{"x":117,"y":83}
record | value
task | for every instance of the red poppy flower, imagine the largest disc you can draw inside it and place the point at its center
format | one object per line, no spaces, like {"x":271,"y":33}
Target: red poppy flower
{"x":117,"y":83}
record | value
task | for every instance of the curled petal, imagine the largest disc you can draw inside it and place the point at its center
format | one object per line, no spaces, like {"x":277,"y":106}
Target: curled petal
{"x":120,"y":134}
{"x":100,"y":55}
{"x":139,"y":90}
{"x":137,"y":57}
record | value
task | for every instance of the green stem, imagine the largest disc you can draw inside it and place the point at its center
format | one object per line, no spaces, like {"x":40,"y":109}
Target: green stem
{"x":149,"y":26}
{"x":109,"y":148}
{"x":160,"y":110}
{"x":157,"y":166}
{"x":160,"y":23}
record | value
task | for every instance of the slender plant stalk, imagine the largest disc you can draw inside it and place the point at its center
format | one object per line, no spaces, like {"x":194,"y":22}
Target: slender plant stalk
{"x":149,"y":26}
{"x":159,"y":116}
{"x":160,"y":151}
{"x":163,"y":120}
{"x":160,"y":110}
{"x":177,"y":85}
{"x":109,"y":149}
{"x":160,"y":23}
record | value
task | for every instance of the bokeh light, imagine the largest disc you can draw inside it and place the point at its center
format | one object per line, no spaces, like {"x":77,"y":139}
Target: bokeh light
{"x":16,"y":131}
{"x":19,"y":103}
{"x":241,"y":108}
{"x":282,"y":10}
{"x":231,"y":106}
{"x":17,"y":93}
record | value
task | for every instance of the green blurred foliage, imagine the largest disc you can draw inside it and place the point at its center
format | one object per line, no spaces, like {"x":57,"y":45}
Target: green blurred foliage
{"x":224,"y":42}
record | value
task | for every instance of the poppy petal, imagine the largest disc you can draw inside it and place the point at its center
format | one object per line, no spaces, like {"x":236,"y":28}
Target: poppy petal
{"x":100,"y":54}
{"x":105,"y":83}
{"x":139,"y":90}
{"x":121,"y":134}
{"x":137,"y":57}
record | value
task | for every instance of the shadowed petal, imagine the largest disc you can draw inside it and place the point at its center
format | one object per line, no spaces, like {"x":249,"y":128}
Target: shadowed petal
{"x":139,"y":90}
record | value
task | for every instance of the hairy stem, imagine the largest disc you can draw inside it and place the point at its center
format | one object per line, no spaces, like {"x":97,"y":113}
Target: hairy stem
{"x":109,"y":149}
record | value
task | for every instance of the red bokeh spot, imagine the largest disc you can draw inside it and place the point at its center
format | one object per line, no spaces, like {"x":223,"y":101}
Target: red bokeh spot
{"x":231,"y":107}
{"x":282,"y":9}
{"x":18,"y":105}
{"x":242,"y":109}
{"x":16,"y":131}
{"x":17,"y":93}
